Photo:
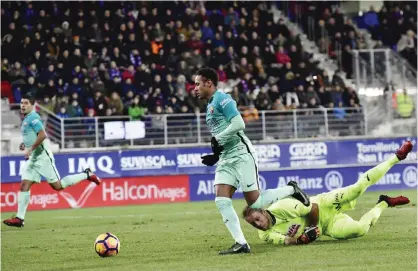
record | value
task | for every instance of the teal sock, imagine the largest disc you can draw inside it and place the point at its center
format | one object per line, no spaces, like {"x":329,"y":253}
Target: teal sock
{"x":73,"y":179}
{"x":230,"y":219}
{"x":22,"y":204}
{"x":270,"y":196}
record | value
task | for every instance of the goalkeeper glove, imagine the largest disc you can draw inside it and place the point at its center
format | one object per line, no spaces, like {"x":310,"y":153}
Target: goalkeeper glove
{"x":309,"y":235}
{"x":216,"y":148}
{"x":210,"y":159}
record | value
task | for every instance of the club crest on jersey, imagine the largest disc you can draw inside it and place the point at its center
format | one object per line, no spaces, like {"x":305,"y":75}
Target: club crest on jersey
{"x":211,"y":110}
{"x":25,"y":123}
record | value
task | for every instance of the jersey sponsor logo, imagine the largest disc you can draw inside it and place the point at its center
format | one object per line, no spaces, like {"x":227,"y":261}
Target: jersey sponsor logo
{"x":293,"y":229}
{"x":409,"y":176}
{"x":103,"y":163}
{"x":145,"y":162}
{"x":82,"y":199}
{"x":308,"y":154}
{"x":225,"y":101}
{"x":333,"y":180}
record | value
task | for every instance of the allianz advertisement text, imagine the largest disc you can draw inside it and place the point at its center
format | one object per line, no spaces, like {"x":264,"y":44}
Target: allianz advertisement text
{"x":271,"y":157}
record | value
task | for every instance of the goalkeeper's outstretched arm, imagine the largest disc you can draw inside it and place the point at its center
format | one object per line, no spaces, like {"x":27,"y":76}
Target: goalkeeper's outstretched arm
{"x":276,"y":238}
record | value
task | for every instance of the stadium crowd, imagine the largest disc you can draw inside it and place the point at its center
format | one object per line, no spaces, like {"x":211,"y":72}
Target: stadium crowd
{"x":131,"y":58}
{"x":394,"y":26}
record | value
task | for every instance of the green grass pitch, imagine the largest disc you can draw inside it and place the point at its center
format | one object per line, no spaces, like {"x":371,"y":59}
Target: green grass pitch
{"x":188,"y":236}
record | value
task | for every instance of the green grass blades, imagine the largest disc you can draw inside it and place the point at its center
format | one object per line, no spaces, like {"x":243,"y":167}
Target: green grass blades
{"x":188,"y":237}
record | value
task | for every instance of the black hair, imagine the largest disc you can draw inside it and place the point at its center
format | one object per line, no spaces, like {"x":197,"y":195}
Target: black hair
{"x":209,"y":74}
{"x":29,"y":97}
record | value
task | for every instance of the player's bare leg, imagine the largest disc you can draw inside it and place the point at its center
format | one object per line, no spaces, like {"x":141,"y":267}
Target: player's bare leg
{"x":344,"y":227}
{"x":23,"y":202}
{"x":223,"y":201}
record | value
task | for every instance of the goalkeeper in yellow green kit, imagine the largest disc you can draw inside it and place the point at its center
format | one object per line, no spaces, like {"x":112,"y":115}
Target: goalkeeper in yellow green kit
{"x":287,"y":222}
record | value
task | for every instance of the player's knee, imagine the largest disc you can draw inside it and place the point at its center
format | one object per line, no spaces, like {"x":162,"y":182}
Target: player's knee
{"x":56,"y":186}
{"x":24,"y":187}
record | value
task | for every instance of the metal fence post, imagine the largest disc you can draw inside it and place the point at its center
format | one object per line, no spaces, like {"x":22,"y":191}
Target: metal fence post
{"x":326,"y":122}
{"x":357,"y":65}
{"x":263,"y":119}
{"x":372,"y":65}
{"x":96,"y":130}
{"x":295,"y":124}
{"x":165,"y":130}
{"x":132,"y":140}
{"x":199,"y":136}
{"x":388,"y":66}
{"x":62,"y":134}
{"x":365,"y":112}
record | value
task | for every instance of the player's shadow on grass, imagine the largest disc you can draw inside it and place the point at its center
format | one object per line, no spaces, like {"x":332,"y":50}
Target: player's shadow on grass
{"x":263,"y":247}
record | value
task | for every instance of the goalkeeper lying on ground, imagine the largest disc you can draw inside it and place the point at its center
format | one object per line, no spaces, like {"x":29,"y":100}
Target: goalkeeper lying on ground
{"x":289,"y":222}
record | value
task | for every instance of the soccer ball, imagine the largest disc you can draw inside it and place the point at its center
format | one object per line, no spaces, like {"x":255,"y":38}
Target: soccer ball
{"x":107,"y":245}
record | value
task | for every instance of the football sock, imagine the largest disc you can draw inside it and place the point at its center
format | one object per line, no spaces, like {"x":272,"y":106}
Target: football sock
{"x":23,"y":199}
{"x":373,"y":175}
{"x":230,"y":219}
{"x":370,"y":218}
{"x":270,"y":196}
{"x":347,"y":228}
{"x":73,"y":179}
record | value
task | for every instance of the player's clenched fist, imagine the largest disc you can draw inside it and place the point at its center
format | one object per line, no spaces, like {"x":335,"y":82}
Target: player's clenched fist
{"x":310,"y":234}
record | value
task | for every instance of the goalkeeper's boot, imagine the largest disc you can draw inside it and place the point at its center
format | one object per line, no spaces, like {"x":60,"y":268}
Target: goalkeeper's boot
{"x":92,"y":177}
{"x":236,"y":249}
{"x":299,"y":194}
{"x":403,"y":151}
{"x":392,"y":202}
{"x":14,"y":222}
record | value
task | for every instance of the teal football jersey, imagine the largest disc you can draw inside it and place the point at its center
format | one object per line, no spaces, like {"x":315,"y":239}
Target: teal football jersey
{"x":31,"y":126}
{"x":219,"y":112}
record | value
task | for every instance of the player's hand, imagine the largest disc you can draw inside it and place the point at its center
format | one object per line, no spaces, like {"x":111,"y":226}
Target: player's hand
{"x":22,"y":146}
{"x":309,"y":235}
{"x":216,"y":148}
{"x":210,"y":159}
{"x":28,"y":152}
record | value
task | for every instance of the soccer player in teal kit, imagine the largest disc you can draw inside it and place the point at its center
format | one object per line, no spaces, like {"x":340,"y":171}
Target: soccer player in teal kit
{"x":40,"y":162}
{"x":236,"y":160}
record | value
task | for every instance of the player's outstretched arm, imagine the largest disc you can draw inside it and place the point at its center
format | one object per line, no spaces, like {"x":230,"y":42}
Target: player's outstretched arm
{"x":276,"y":238}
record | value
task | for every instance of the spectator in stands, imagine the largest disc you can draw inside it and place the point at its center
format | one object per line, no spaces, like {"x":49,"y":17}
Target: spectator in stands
{"x":135,"y":110}
{"x":406,"y":47}
{"x":405,"y":104}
